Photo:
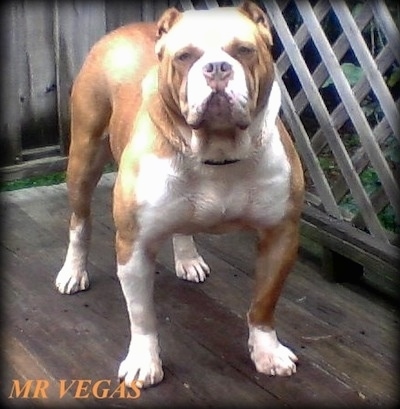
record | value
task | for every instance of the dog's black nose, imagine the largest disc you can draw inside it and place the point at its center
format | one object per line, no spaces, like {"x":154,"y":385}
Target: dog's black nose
{"x":218,"y":74}
{"x":217,"y":68}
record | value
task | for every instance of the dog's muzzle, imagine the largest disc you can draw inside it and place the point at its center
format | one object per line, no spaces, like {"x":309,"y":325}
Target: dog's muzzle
{"x":216,"y":93}
{"x":218,"y":75}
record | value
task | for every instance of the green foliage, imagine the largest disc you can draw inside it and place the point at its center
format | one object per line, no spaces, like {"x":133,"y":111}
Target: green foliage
{"x":349,"y":205}
{"x":388,"y":219}
{"x":326,"y":163}
{"x":370,"y":180}
{"x":352,"y":72}
{"x":394,"y":78}
{"x":392,"y":151}
{"x":48,"y":180}
{"x":371,"y":108}
{"x":371,"y":183}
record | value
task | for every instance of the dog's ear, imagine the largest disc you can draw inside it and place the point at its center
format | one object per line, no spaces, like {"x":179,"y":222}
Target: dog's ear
{"x":254,"y":13}
{"x":166,"y":21}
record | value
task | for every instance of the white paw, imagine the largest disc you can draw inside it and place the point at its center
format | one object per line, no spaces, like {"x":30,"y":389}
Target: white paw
{"x":269,"y":355}
{"x":69,"y":282}
{"x":194,"y":269}
{"x":142,"y":365}
{"x":278,"y":361}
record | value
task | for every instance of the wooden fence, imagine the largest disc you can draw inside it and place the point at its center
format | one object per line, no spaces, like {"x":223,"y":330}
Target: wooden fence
{"x":45,"y":45}
{"x":338,"y":67}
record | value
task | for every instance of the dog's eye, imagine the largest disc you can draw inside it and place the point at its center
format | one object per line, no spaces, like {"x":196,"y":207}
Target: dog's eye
{"x":244,"y":50}
{"x":184,"y":56}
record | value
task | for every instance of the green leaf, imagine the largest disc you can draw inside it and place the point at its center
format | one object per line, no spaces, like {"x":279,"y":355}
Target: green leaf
{"x":357,"y":9}
{"x":393,"y":154}
{"x":352,"y":72}
{"x":394,"y":77}
{"x":370,"y":108}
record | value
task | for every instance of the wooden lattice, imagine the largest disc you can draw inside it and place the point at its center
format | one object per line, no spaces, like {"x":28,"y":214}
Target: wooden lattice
{"x":326,"y":189}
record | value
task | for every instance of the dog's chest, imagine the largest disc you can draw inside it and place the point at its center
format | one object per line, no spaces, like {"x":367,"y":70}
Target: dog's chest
{"x":209,"y":198}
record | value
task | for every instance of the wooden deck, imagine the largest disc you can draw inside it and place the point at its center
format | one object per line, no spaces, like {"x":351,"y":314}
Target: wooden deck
{"x":344,"y":335}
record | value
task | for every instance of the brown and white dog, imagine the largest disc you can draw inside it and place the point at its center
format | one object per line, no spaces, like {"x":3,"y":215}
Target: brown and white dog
{"x":194,"y":128}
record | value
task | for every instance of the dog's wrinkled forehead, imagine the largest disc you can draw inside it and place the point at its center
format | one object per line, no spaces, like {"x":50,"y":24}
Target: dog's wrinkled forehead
{"x":209,"y":29}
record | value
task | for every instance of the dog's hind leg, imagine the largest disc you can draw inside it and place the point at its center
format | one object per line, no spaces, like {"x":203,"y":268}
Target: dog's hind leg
{"x":189,"y":265}
{"x":89,"y":152}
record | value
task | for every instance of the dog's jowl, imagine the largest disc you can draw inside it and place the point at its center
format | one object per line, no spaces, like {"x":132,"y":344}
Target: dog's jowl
{"x":188,"y":108}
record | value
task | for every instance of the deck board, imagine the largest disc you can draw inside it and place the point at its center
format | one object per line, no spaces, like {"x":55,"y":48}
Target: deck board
{"x":345,"y":337}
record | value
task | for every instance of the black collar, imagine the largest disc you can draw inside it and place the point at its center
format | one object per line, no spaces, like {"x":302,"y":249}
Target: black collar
{"x":220,"y":163}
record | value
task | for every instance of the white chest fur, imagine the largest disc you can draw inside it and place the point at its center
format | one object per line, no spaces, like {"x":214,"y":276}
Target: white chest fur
{"x":184,"y":196}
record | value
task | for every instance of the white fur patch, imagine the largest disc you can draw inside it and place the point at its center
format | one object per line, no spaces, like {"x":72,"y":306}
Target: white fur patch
{"x":73,"y":276}
{"x":268,"y":354}
{"x":273,"y":106}
{"x":152,"y":179}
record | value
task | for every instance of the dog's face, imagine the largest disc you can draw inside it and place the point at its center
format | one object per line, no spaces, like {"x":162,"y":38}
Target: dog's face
{"x":216,"y":68}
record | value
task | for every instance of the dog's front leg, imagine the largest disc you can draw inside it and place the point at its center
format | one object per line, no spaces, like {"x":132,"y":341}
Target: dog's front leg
{"x":277,"y":250}
{"x":142,"y":364}
{"x":136,"y":270}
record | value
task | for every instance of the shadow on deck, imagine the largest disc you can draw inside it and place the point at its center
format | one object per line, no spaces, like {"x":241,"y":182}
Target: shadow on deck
{"x":345,"y":337}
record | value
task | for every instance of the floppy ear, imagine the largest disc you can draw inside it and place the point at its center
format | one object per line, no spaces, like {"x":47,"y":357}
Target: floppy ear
{"x":166,"y":21}
{"x":254,"y":13}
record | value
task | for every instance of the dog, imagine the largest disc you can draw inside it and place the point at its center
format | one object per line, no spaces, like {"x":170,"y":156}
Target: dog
{"x":195,"y":130}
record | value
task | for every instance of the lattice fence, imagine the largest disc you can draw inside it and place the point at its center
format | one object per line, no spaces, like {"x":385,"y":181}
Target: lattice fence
{"x":357,"y":128}
{"x":341,"y":103}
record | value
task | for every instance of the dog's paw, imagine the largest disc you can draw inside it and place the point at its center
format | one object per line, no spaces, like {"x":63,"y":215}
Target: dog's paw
{"x":142,"y":366}
{"x":68,"y":282}
{"x":269,"y":355}
{"x":278,"y":361}
{"x":194,"y":269}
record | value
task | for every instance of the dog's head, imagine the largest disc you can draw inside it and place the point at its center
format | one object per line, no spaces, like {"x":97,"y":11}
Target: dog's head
{"x":216,"y":71}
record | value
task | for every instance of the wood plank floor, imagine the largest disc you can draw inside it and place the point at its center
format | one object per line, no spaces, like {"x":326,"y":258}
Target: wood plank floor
{"x":346,"y":337}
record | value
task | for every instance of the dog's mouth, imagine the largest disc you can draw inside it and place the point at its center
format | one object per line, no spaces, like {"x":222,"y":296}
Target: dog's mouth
{"x":219,"y":111}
